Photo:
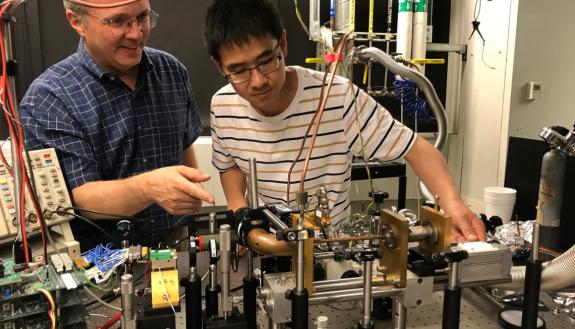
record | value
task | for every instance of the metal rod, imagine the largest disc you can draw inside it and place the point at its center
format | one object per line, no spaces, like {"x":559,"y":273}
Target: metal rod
{"x":485,"y":294}
{"x":254,"y":204}
{"x":213,"y":276}
{"x":453,"y":274}
{"x":345,"y":281}
{"x":250,"y":265}
{"x":300,"y":266}
{"x":535,"y":242}
{"x":399,"y":319}
{"x":324,"y":255}
{"x":349,"y":238}
{"x":212,"y":222}
{"x":225,"y":247}
{"x":253,"y":184}
{"x":377,"y":281}
{"x":127,"y":296}
{"x":367,"y":293}
{"x":274,"y":219}
{"x":351,"y":294}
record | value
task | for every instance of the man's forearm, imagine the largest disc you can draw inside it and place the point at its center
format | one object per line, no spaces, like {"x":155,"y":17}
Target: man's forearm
{"x":234,"y":185}
{"x":123,"y":197}
{"x":430,"y":166}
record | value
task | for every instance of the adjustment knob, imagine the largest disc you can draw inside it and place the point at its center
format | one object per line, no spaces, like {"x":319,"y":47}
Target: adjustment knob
{"x":379,"y":196}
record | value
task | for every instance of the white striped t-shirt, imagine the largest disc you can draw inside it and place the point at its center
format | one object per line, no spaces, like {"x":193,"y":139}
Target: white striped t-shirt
{"x":239,"y":133}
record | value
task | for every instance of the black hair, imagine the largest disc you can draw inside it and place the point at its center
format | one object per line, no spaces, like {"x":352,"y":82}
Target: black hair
{"x":234,"y":22}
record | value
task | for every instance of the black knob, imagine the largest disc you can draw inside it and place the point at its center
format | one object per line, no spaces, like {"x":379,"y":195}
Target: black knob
{"x":378,"y":196}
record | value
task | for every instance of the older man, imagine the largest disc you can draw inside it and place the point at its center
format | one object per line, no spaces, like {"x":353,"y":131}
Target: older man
{"x":122,"y":118}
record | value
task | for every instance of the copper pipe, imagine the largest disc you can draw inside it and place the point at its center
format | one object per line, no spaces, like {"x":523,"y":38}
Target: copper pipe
{"x":350,"y":238}
{"x":303,"y":140}
{"x":321,"y":108}
{"x":266,"y":243}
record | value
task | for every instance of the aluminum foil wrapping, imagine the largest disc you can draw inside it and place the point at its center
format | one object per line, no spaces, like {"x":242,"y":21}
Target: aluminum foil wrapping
{"x":565,"y":302}
{"x":515,"y":233}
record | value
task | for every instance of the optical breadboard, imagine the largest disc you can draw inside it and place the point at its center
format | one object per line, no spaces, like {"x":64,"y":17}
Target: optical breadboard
{"x":50,"y":188}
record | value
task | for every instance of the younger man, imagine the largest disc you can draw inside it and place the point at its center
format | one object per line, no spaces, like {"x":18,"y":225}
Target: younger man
{"x":264,"y":112}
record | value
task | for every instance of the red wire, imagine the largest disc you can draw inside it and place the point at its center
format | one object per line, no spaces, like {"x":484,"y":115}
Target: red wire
{"x":18,"y":142}
{"x":111,"y":322}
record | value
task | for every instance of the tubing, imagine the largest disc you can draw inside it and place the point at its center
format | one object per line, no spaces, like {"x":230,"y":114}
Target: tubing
{"x":556,"y":274}
{"x":426,"y":87}
{"x":266,"y":243}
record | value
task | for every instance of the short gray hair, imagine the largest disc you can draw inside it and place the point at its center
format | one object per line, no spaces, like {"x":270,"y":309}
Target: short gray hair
{"x":76,"y":8}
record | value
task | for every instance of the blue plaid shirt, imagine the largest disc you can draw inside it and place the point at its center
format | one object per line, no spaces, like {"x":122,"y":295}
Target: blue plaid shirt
{"x":102,"y":130}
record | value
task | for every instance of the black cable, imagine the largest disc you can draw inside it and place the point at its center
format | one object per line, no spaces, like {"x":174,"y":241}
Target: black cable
{"x":90,"y":222}
{"x":476,"y":12}
{"x":97,"y":212}
{"x":237,"y":288}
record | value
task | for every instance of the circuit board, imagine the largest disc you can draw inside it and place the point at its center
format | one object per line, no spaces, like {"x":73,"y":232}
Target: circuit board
{"x":23,"y":306}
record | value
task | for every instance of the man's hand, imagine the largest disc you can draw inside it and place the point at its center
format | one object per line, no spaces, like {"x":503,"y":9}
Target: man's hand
{"x":177,"y":189}
{"x":466,"y":226}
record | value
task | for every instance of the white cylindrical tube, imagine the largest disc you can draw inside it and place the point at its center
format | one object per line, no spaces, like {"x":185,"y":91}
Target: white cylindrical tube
{"x":419,"y":41}
{"x":314,"y":21}
{"x":404,"y":28}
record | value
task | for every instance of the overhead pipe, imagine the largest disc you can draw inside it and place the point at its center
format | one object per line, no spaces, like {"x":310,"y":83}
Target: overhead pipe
{"x":424,"y":85}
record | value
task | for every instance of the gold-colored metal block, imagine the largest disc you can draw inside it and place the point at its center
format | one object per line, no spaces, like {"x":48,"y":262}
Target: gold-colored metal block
{"x":165,"y":289}
{"x":442,"y":224}
{"x":393,"y":260}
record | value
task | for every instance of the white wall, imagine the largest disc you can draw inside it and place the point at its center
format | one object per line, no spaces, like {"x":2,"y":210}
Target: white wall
{"x":543,"y":53}
{"x":484,"y":106}
{"x":203,"y":149}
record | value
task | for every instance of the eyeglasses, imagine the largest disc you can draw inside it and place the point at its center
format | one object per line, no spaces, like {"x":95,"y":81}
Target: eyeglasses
{"x":267,"y":66}
{"x":146,"y":21}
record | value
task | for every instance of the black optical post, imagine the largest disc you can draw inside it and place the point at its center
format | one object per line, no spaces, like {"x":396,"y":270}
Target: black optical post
{"x":213,"y":288}
{"x":452,"y":291}
{"x":530,"y":318}
{"x":193,"y":289}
